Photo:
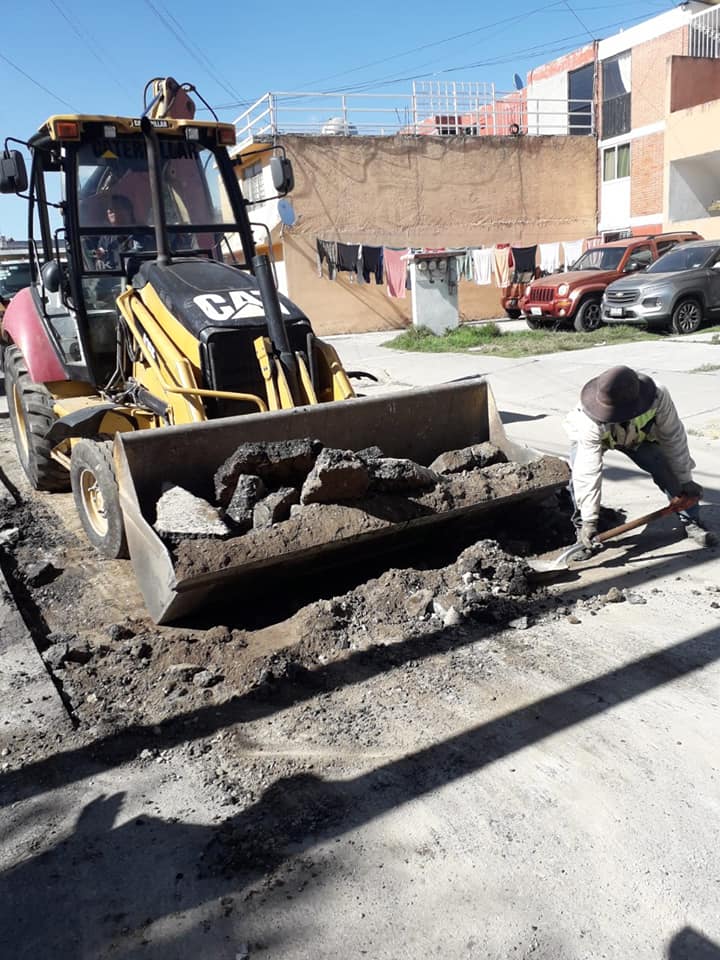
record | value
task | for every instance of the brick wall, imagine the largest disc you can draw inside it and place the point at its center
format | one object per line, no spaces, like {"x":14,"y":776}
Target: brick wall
{"x":646,"y":175}
{"x":649,"y":76}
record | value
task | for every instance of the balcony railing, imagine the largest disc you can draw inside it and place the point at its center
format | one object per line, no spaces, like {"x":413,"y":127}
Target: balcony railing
{"x":448,"y":109}
{"x":704,"y":34}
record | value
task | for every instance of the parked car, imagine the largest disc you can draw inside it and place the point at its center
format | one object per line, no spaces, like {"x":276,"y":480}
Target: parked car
{"x":574,"y":298}
{"x":678,"y":291}
{"x":14,"y":276}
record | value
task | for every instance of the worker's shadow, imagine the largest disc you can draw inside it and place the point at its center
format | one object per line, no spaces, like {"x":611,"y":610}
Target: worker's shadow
{"x":688,"y":944}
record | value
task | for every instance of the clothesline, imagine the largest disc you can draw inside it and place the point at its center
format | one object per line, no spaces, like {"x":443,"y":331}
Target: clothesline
{"x":504,"y":263}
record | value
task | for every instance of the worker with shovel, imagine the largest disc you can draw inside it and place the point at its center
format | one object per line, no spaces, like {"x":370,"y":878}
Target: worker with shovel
{"x":627,"y":411}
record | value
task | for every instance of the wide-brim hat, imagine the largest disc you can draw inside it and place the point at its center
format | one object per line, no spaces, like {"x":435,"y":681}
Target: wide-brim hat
{"x":617,"y":395}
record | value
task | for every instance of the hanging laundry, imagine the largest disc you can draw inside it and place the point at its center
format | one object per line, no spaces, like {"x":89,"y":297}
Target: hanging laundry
{"x":395,"y":270}
{"x":464,"y":263}
{"x":524,"y":258}
{"x":501,"y":265}
{"x":348,"y":256}
{"x":372,"y":263}
{"x":327,"y":250}
{"x":573,"y":251}
{"x":483,"y":261}
{"x":549,"y":257}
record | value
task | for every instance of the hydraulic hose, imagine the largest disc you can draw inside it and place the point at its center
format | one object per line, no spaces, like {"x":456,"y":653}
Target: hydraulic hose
{"x":276,"y":326}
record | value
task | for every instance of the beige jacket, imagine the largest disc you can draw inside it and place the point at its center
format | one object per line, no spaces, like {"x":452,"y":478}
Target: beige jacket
{"x":667,"y":431}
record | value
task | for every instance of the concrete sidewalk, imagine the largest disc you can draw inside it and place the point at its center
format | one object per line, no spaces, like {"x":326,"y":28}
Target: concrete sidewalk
{"x":535,"y":393}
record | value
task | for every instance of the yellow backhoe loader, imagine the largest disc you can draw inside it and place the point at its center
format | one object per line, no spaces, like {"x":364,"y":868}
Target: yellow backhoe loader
{"x":152,"y":340}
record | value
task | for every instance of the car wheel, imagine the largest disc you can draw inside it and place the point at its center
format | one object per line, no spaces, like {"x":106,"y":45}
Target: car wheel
{"x":513,"y":314}
{"x":687,"y":316}
{"x":589,"y":316}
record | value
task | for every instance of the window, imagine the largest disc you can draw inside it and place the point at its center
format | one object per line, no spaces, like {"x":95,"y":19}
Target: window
{"x":580,"y":96}
{"x":641,"y":255}
{"x":254,"y":183}
{"x":616,"y":162}
{"x":616,"y":95}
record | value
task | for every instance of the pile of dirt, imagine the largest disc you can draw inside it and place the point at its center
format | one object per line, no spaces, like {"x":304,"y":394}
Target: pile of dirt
{"x":140,"y":674}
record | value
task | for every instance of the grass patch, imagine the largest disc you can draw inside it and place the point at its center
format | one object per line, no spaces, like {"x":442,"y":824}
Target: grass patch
{"x":490,"y":340}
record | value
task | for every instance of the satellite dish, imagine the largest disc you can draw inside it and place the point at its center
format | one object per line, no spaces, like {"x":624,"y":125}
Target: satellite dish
{"x":286,"y":212}
{"x":518,"y":81}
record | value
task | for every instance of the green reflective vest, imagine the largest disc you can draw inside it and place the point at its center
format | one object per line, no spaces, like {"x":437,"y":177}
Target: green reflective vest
{"x":634,"y":432}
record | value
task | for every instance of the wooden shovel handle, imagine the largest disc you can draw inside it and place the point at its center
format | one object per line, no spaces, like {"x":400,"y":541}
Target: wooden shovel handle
{"x":675,"y":506}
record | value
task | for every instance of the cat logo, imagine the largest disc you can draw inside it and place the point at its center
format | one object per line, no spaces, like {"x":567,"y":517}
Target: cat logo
{"x":233,"y":305}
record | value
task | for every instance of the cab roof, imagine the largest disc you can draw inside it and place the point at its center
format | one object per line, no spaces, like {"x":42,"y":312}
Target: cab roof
{"x":58,"y":127}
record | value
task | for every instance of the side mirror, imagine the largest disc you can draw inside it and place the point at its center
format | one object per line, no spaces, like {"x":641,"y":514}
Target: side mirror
{"x":13,"y":175}
{"x":634,"y":266}
{"x":51,"y":276}
{"x":283,"y":177}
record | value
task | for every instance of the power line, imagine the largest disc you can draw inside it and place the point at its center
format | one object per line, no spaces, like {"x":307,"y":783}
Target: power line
{"x":89,"y":44}
{"x":37,"y":83}
{"x":579,"y":20}
{"x":178,"y":34}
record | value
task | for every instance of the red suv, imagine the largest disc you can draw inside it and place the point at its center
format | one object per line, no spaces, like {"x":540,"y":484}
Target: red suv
{"x":574,"y":298}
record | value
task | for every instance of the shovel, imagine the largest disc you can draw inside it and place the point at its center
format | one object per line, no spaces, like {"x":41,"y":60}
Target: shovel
{"x":561,"y":562}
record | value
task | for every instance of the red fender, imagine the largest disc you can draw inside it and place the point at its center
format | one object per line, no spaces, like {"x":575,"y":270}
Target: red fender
{"x":22,"y":323}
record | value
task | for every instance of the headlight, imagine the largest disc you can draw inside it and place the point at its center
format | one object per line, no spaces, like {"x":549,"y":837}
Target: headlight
{"x":563,"y":289}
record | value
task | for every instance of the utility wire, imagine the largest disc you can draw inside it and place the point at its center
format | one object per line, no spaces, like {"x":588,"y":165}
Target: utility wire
{"x":579,"y":20}
{"x":163,"y":17}
{"x":37,"y":83}
{"x":89,"y":44}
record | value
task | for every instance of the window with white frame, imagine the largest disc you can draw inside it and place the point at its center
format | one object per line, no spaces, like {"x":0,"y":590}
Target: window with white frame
{"x":254,"y":183}
{"x":616,"y":162}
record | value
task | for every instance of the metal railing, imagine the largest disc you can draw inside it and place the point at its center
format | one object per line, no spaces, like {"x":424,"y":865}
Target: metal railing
{"x":447,"y":109}
{"x":704,"y":34}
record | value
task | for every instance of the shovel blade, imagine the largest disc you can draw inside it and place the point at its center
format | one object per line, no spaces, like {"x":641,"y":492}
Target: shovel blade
{"x":561,"y":562}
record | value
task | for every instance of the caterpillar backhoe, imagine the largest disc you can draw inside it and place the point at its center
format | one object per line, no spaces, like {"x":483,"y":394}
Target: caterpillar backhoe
{"x":152,"y":339}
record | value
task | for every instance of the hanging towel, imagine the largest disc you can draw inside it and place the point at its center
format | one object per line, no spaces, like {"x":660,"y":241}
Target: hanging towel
{"x":395,"y":270}
{"x":549,"y":257}
{"x":573,"y":252}
{"x":483,"y":261}
{"x":372,"y":263}
{"x":327,"y":250}
{"x":464,"y":263}
{"x":501,"y":265}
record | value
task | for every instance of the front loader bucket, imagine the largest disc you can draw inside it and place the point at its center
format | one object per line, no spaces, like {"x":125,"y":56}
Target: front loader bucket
{"x":415,"y":424}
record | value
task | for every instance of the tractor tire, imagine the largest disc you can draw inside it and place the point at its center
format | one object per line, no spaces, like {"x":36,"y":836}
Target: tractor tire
{"x":97,"y":498}
{"x":513,"y":314}
{"x":589,"y":316}
{"x":30,"y":408}
{"x":687,"y":316}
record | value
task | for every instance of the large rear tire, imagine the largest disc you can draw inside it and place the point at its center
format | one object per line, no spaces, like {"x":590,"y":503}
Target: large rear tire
{"x":97,"y":498}
{"x":30,"y":408}
{"x":589,"y":316}
{"x":687,"y":316}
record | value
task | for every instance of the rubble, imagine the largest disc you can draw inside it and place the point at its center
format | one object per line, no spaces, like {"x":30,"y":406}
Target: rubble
{"x":277,"y":463}
{"x":249,"y":490}
{"x":337,"y":475}
{"x":183,"y":516}
{"x":475,"y":457}
{"x":41,"y":573}
{"x":275,"y":507}
{"x":391,"y":475}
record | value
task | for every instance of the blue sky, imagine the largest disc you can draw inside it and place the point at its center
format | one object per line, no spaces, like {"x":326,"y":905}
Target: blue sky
{"x":64,"y":56}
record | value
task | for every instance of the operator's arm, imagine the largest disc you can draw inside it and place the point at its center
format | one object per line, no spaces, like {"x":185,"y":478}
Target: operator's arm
{"x":586,"y":463}
{"x":672,"y":438}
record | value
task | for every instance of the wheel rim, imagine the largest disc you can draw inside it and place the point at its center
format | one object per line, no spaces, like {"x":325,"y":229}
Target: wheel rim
{"x":19,"y":416}
{"x":688,"y":317}
{"x":592,"y":316}
{"x":93,"y":503}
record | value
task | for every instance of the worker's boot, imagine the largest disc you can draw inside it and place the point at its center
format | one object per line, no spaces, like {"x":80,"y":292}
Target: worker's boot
{"x":696,"y":532}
